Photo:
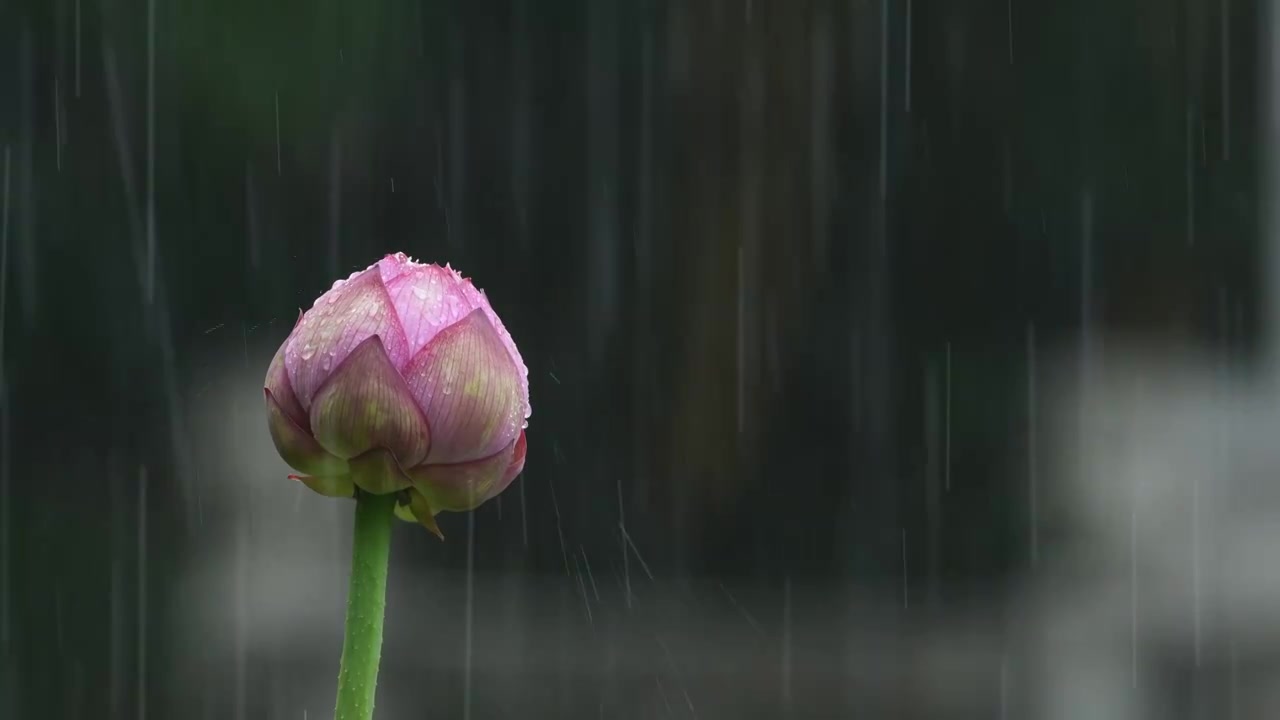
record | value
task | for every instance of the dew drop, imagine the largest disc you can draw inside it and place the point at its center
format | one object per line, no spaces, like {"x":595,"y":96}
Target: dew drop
{"x":307,"y":351}
{"x":327,"y":362}
{"x":420,"y":293}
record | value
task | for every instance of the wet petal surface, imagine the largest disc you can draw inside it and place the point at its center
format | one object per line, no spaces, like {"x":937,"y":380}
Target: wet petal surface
{"x":342,"y":319}
{"x":429,"y":298}
{"x":296,"y":446}
{"x":365,"y":404}
{"x":277,"y":382}
{"x":464,"y":486}
{"x":468,"y":387}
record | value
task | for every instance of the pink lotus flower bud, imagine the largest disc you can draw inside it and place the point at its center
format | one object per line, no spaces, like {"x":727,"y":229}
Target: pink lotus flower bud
{"x":401,"y":379}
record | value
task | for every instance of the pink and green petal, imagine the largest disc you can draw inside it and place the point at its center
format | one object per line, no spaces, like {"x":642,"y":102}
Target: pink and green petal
{"x":476,"y":297}
{"x":424,"y":512}
{"x":465,"y":382}
{"x":428,"y":298}
{"x":342,"y":319}
{"x":378,"y":473}
{"x":334,"y":486}
{"x":296,"y":446}
{"x":465,"y":486}
{"x":514,"y":467}
{"x":277,"y":383}
{"x":365,"y":404}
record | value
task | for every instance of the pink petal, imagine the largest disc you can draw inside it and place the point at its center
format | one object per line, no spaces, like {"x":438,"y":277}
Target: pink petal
{"x":468,"y":387}
{"x":365,"y":404}
{"x":350,"y":313}
{"x":278,"y":385}
{"x":296,"y":446}
{"x":429,"y":298}
{"x":514,"y":468}
{"x":465,"y":486}
{"x":394,"y":265}
{"x":477,"y":298}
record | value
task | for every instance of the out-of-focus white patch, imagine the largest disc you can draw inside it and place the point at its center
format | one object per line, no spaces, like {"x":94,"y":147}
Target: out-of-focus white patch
{"x":1156,"y":594}
{"x":269,"y":575}
{"x":1164,"y":589}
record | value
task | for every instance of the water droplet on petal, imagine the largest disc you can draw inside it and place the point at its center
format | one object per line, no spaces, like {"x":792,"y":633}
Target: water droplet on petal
{"x":307,"y":351}
{"x":420,"y":293}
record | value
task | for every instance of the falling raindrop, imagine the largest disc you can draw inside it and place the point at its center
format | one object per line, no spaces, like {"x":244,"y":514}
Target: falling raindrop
{"x":582,"y":590}
{"x":5,"y":530}
{"x":524,"y":518}
{"x":251,"y":219}
{"x":335,"y":197}
{"x":1004,"y":686}
{"x":907,"y":61}
{"x":26,"y":247}
{"x":786,"y":645}
{"x":240,"y":628}
{"x":555,"y":504}
{"x":946,"y":423}
{"x":740,"y":341}
{"x":277,"y":98}
{"x":57,"y":126}
{"x":150,"y":283}
{"x":1032,"y":463}
{"x":1133,"y":590}
{"x":1009,"y":15}
{"x":622,"y":524}
{"x":906,"y":602}
{"x":116,"y":607}
{"x":822,"y":61}
{"x":456,"y":217}
{"x":1190,"y":181}
{"x":884,"y":105}
{"x":643,"y":565}
{"x":1226,"y":80}
{"x":77,"y":43}
{"x":142,"y":593}
{"x":4,"y":256}
{"x":466,"y":660}
{"x":1233,"y":683}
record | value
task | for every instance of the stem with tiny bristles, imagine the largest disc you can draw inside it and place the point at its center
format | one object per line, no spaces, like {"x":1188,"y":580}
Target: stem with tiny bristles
{"x":366,"y":604}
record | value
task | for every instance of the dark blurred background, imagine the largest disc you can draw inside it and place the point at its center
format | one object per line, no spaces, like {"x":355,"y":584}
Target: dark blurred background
{"x":785,"y":275}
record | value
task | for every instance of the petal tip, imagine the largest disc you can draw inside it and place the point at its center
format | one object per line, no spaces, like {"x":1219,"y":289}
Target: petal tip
{"x":422,"y":510}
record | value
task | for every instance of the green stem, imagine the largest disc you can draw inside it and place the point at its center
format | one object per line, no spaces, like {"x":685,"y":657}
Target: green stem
{"x":366,"y":603}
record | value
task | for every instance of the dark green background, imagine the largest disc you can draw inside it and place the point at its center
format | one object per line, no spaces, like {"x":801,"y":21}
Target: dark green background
{"x":626,"y":180}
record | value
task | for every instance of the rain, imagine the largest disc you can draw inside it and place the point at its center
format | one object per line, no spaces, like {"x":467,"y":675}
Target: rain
{"x":886,"y":358}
